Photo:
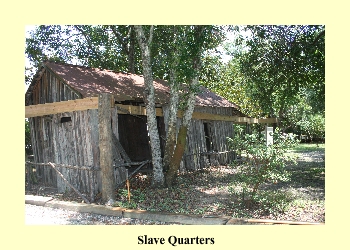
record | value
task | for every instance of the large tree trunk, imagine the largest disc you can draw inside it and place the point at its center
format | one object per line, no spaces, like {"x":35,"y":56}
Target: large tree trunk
{"x":158,"y":176}
{"x":182,"y":135}
{"x":181,"y":139}
{"x":105,"y":144}
{"x":172,"y":119}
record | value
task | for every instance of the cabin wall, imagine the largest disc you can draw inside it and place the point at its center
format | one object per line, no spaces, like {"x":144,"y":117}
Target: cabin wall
{"x":43,"y":150}
{"x":70,"y":138}
{"x":217,"y":133}
{"x":73,"y":142}
{"x":206,"y":140}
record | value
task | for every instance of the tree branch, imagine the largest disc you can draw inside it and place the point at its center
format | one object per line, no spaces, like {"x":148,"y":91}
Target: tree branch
{"x":150,"y":35}
{"x":120,"y":39}
{"x":90,"y":45}
{"x":322,"y":33}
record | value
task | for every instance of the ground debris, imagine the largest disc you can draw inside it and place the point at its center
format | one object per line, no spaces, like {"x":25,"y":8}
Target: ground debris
{"x":209,"y":193}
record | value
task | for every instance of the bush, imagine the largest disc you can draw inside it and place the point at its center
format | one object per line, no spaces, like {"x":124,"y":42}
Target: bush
{"x":28,"y":141}
{"x":313,"y":126}
{"x":262,"y":163}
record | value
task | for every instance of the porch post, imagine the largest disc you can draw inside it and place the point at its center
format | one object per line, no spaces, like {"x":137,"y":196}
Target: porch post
{"x":105,"y":145}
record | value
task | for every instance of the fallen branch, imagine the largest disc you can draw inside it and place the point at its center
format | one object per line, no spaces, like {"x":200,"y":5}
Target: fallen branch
{"x":76,"y":190}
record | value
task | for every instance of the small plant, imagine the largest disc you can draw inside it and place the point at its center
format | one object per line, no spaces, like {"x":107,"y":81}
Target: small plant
{"x":262,"y":162}
{"x":126,"y":204}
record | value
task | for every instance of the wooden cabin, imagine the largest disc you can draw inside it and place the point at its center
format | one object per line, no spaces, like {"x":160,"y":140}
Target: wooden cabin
{"x":61,"y":105}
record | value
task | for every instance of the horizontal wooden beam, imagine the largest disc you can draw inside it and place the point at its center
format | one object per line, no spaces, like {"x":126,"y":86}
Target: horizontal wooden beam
{"x":92,"y":103}
{"x":267,"y":120}
{"x":136,"y":110}
{"x":216,"y":117}
{"x":61,"y":107}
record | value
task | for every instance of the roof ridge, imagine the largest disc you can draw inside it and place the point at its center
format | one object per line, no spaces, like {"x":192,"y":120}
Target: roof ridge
{"x":93,"y":68}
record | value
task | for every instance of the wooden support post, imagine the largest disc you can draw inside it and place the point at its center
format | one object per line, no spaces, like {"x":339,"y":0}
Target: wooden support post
{"x":128,"y":186}
{"x":105,"y":144}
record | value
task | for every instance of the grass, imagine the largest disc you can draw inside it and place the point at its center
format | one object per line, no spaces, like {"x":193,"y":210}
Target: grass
{"x":309,"y":147}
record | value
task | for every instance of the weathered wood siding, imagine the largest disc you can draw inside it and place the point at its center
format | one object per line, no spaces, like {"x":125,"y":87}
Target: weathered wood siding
{"x":42,"y":144}
{"x":75,"y":142}
{"x":197,"y":154}
{"x":70,"y":143}
{"x":218,"y":131}
{"x":51,"y":89}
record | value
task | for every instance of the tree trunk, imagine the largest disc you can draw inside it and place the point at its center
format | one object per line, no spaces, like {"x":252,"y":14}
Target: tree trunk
{"x":182,"y":136}
{"x":158,"y":176}
{"x":105,"y":145}
{"x":175,"y":162}
{"x":181,"y":139}
{"x":172,"y":119}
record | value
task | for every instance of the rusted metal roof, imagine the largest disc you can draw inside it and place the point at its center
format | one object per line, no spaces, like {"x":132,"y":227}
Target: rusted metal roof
{"x":90,"y":82}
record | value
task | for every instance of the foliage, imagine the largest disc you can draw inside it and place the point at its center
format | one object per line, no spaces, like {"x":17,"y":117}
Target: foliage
{"x":272,"y":202}
{"x":313,"y":125}
{"x":105,"y":46}
{"x":263,"y":162}
{"x":115,"y":47}
{"x":28,"y":140}
{"x":211,"y":192}
{"x":227,"y":80}
{"x":280,"y":63}
{"x":295,"y":114}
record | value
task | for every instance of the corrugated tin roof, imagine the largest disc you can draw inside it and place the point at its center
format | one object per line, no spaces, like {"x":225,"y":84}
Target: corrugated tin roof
{"x":124,"y":86}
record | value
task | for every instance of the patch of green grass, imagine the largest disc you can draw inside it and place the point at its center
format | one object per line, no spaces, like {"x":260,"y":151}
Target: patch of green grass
{"x":308,"y":175}
{"x":309,"y":147}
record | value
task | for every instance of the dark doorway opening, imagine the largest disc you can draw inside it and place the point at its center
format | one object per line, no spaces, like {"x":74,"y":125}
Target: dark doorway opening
{"x":208,"y":142}
{"x":133,"y":136}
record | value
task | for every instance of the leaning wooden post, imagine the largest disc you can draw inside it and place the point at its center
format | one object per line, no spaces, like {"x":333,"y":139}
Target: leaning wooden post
{"x":105,"y":144}
{"x":65,"y":180}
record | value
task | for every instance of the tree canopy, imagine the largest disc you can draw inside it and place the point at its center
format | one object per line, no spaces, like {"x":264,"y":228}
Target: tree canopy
{"x":274,"y":70}
{"x":104,"y":46}
{"x":280,"y":63}
{"x":115,"y":47}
